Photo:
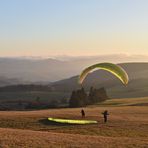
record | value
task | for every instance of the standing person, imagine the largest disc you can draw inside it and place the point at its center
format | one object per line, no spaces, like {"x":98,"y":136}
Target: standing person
{"x":105,"y":115}
{"x":82,"y":113}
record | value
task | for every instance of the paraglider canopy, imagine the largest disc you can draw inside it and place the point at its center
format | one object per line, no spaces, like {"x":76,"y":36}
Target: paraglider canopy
{"x":115,"y":69}
{"x":69,"y":121}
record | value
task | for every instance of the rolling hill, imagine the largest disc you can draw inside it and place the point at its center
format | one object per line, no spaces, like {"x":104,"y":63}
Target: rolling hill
{"x":38,"y":70}
{"x":127,"y":127}
{"x":137,"y":87}
{"x":42,"y":71}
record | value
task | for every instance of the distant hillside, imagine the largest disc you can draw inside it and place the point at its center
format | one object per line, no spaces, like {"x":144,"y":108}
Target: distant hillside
{"x":137,"y":87}
{"x":31,"y":70}
{"x":9,"y":81}
{"x":58,"y":93}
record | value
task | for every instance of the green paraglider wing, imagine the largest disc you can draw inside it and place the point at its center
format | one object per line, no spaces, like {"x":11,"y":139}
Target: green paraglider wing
{"x":116,"y":70}
{"x":69,"y":121}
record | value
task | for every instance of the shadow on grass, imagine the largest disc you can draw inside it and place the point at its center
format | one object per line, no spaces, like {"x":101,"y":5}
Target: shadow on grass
{"x":53,"y":123}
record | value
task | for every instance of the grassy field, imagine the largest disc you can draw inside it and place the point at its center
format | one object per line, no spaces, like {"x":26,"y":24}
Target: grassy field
{"x":127,"y":127}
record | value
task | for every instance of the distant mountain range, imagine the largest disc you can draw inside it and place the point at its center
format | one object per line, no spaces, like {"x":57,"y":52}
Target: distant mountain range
{"x":137,"y":87}
{"x":54,"y":73}
{"x":38,"y":70}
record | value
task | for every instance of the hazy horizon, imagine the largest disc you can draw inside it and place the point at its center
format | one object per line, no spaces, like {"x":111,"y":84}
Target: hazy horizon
{"x":34,"y":69}
{"x":134,"y":57}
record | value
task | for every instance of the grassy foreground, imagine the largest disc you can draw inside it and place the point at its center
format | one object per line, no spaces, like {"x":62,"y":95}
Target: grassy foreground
{"x":127,"y":127}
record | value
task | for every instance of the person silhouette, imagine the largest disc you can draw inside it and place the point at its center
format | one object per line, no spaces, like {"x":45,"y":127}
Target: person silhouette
{"x":83,"y":113}
{"x":105,"y":115}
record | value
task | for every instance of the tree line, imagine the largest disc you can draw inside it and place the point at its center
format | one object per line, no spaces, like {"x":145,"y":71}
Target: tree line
{"x":80,"y":98}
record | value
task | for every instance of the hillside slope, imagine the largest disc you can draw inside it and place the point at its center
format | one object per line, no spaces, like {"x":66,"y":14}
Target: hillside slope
{"x":28,"y":138}
{"x":137,"y":87}
{"x":127,"y":126}
{"x":50,"y":70}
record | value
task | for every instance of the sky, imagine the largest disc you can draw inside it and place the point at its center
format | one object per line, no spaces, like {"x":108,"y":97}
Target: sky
{"x":73,"y":27}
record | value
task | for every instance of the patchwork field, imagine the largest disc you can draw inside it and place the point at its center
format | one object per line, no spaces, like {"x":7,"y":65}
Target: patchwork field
{"x":127,"y":127}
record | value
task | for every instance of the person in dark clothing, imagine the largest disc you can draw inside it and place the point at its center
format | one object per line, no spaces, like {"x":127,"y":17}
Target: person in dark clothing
{"x":105,"y":115}
{"x":82,"y":113}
